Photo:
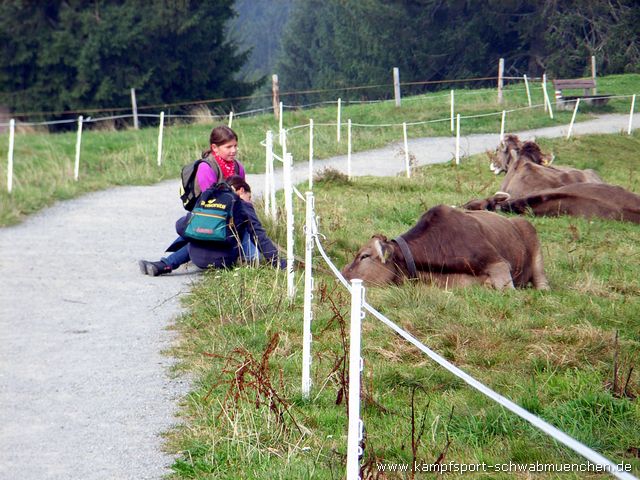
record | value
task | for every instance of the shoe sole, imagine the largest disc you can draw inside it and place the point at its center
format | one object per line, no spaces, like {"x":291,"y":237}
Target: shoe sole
{"x":148,"y":268}
{"x":143,"y":267}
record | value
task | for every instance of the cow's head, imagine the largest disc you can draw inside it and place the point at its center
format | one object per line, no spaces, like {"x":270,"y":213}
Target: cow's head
{"x":505,"y":154}
{"x":373,"y":263}
{"x":491,"y":203}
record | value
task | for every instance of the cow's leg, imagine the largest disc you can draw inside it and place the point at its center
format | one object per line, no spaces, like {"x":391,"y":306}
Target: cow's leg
{"x":500,"y":275}
{"x":539,"y":278}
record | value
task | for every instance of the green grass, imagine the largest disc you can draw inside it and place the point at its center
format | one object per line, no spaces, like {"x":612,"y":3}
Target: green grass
{"x":44,"y":163}
{"x":551,"y":352}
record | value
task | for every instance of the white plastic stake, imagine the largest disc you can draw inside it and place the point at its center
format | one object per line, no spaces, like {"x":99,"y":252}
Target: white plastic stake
{"x":310,"y":153}
{"x":406,"y":150}
{"x":288,"y":206}
{"x":573,"y":117}
{"x":339,"y":120}
{"x":230,"y":118}
{"x":349,"y":149}
{"x":268,"y":171}
{"x":452,"y":110}
{"x":354,"y":434}
{"x":526,"y":86}
{"x":458,"y":139}
{"x":160,"y":135}
{"x":504,"y":114}
{"x":76,"y":168}
{"x":12,"y":134}
{"x":308,"y":296}
{"x":633,"y":105}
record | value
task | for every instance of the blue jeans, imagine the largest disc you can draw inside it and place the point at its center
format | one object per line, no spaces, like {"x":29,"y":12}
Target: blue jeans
{"x":177,"y":258}
{"x":250,"y":251}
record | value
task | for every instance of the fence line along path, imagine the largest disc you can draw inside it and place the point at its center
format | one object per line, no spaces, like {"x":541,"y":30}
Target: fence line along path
{"x":85,"y":391}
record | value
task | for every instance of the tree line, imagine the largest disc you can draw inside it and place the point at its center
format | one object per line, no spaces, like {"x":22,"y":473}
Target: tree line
{"x":77,"y":55}
{"x":333,"y":43}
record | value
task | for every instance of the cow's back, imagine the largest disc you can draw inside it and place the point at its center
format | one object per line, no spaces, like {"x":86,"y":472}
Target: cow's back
{"x":514,"y":239}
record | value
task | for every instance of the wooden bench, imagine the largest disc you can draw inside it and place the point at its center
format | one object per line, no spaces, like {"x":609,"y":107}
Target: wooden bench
{"x":588,"y":85}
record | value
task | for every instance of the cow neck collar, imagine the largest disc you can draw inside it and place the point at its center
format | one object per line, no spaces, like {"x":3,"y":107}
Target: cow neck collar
{"x":408,"y":258}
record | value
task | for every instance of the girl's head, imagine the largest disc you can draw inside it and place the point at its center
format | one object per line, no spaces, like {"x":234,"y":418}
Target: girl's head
{"x":224,"y":143}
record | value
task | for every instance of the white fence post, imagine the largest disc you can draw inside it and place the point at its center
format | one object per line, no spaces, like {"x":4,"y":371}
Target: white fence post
{"x":458,"y":139}
{"x":160,"y":137}
{"x":504,"y":114}
{"x":349,"y":149}
{"x":500,"y":79}
{"x":339,"y":120}
{"x":452,"y":114}
{"x":355,"y":432}
{"x":308,"y":296}
{"x":573,"y":117}
{"x":288,"y":205}
{"x":406,"y":150}
{"x":547,"y":102}
{"x":526,"y":86}
{"x":12,"y":135}
{"x":272,"y":183}
{"x":310,"y":153}
{"x":396,"y":85}
{"x":268,"y":170}
{"x":230,"y":118}
{"x":134,"y":107}
{"x":633,"y":104}
{"x":76,"y":167}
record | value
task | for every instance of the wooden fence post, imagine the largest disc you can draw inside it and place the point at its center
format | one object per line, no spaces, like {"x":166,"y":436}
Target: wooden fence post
{"x":12,"y":134}
{"x":396,"y":85}
{"x":500,"y":79}
{"x":594,"y":90}
{"x":275,"y":91}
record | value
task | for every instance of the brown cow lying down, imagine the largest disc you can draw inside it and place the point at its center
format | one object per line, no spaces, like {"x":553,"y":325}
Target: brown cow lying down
{"x":528,"y":170}
{"x":588,"y":200}
{"x":452,"y":247}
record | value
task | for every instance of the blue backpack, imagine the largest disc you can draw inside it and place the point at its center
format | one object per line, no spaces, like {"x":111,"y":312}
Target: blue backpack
{"x":211,"y":219}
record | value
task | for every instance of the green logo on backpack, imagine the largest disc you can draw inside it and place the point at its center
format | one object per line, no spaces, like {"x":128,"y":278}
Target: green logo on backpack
{"x":212,"y":217}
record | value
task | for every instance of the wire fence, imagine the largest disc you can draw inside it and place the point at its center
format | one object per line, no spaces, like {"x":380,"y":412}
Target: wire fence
{"x":358,"y":307}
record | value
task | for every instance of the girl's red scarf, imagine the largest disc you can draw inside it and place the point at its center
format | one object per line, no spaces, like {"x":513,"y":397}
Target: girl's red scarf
{"x":228,"y":168}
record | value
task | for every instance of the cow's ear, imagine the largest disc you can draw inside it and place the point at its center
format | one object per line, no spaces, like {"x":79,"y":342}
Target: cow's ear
{"x":382,"y":248}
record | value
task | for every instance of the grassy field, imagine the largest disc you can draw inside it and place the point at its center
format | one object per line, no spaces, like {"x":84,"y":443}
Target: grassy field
{"x":569,"y":355}
{"x":44,"y":163}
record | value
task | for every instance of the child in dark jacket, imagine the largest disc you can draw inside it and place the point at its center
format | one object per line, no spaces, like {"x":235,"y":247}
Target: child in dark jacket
{"x":256,"y":244}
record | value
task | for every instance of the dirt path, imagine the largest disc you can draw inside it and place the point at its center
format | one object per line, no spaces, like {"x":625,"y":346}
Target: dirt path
{"x":85,"y":391}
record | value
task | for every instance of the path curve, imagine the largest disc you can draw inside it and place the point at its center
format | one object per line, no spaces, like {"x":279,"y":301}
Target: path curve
{"x":85,"y":391}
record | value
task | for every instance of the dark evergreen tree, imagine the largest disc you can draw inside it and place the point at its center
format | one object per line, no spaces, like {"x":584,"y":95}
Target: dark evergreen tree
{"x":88,"y":54}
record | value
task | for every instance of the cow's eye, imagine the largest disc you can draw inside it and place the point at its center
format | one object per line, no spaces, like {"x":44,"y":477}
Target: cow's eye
{"x":364,"y":255}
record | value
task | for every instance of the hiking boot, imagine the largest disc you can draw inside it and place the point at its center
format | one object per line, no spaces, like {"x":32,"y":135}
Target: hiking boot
{"x":154,"y":268}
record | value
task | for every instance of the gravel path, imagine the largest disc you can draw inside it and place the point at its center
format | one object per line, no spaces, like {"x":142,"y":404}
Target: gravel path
{"x":85,"y":391}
